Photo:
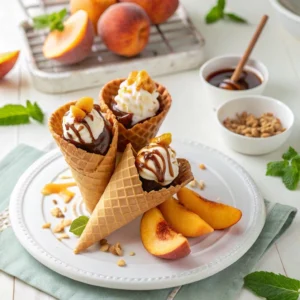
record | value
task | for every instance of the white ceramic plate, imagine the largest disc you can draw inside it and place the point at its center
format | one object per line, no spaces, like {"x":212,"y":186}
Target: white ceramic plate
{"x":224,"y":179}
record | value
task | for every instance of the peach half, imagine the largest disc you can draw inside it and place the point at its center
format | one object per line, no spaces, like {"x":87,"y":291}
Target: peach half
{"x":7,"y":62}
{"x":217,"y":215}
{"x":159,"y":239}
{"x":183,"y":220}
{"x":74,"y":43}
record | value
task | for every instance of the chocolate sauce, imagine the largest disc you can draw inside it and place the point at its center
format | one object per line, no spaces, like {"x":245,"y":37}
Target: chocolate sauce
{"x":99,"y":145}
{"x":158,"y":170}
{"x":122,"y":117}
{"x":248,"y":79}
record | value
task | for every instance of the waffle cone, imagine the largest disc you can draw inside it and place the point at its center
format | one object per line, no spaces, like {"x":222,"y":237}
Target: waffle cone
{"x":90,"y":171}
{"x":124,"y":199}
{"x":140,"y":134}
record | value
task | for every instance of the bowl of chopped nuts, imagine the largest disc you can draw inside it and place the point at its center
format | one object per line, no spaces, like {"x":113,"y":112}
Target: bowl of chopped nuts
{"x":255,"y":125}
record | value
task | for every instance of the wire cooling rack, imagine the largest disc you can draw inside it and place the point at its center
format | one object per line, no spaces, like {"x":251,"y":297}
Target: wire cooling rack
{"x":173,"y":46}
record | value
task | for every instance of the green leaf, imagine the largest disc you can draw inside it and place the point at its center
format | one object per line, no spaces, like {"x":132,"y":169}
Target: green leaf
{"x":13,"y":114}
{"x":221,"y":4}
{"x":235,"y":18}
{"x":53,"y":21}
{"x":289,"y":154}
{"x":296,"y":161}
{"x":214,"y":15}
{"x":35,"y":111}
{"x":78,"y":225}
{"x":272,"y":286}
{"x":290,"y":177}
{"x":276,"y":168}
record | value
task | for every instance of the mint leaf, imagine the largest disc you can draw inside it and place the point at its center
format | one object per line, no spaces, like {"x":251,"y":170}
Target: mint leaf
{"x":221,"y":4}
{"x":214,"y":15}
{"x":235,"y":18}
{"x":296,"y":161}
{"x":78,"y":225}
{"x":35,"y":111}
{"x":272,"y":286}
{"x":290,"y":177}
{"x":53,"y":21}
{"x":276,"y":168}
{"x":13,"y":114}
{"x":289,"y":154}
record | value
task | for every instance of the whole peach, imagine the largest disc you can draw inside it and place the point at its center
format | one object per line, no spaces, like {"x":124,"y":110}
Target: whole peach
{"x":94,"y":8}
{"x":158,"y":10}
{"x":124,"y":29}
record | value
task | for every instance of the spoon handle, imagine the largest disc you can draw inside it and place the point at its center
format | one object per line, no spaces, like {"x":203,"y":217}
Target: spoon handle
{"x":236,"y":74}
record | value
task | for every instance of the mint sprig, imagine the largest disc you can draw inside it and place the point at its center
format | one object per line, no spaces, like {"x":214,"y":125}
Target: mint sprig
{"x":16,"y":114}
{"x":288,"y":168}
{"x":273,"y":286}
{"x":53,"y":21}
{"x":78,"y":225}
{"x":217,"y":13}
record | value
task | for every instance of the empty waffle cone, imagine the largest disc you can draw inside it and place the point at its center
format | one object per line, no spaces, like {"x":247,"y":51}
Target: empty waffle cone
{"x":90,"y":171}
{"x":124,"y":199}
{"x":140,"y":134}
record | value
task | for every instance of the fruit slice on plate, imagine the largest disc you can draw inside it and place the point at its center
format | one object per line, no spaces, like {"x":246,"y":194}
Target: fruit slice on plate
{"x":159,"y":239}
{"x":183,"y":220}
{"x":217,"y":215}
{"x":74,"y":43}
{"x":7,"y":62}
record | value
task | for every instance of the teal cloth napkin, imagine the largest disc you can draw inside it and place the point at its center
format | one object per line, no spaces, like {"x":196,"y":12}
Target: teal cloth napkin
{"x":227,"y":284}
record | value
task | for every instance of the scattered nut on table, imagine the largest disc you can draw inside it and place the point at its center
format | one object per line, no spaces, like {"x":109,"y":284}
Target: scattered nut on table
{"x":57,"y":213}
{"x":121,"y":263}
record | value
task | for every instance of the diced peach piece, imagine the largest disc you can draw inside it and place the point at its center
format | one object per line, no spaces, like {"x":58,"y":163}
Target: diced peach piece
{"x":159,"y":239}
{"x":56,"y":188}
{"x":74,"y":43}
{"x":164,"y":139}
{"x":86,"y":104}
{"x":7,"y":62}
{"x":77,"y":113}
{"x":183,"y":220}
{"x":217,"y":215}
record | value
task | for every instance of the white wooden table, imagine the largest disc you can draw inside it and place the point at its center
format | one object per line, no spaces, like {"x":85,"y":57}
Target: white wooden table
{"x":277,"y":49}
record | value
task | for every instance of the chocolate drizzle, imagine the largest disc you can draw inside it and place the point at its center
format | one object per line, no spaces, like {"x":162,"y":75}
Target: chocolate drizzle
{"x":99,"y":145}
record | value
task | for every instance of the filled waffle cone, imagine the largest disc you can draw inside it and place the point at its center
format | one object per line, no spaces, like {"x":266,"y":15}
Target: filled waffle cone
{"x":140,"y":134}
{"x":124,"y":199}
{"x":91,"y":171}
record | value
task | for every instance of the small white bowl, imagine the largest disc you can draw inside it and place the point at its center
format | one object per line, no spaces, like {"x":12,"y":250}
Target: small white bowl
{"x":289,"y":20}
{"x":217,"y":96}
{"x":256,"y":105}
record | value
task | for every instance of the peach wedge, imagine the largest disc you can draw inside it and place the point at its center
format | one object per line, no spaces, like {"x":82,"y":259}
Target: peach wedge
{"x":74,"y":43}
{"x":183,"y":220}
{"x":159,"y":239}
{"x":7,"y":62}
{"x":217,"y":215}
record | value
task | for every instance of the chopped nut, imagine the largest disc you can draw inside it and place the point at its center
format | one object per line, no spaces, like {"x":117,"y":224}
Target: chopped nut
{"x":65,"y":176}
{"x":118,"y":249}
{"x":54,"y":202}
{"x":63,"y":236}
{"x":112,"y":249}
{"x":67,"y":222}
{"x":104,"y":248}
{"x":193,"y":183}
{"x":65,"y":209}
{"x":202,"y":167}
{"x":121,"y":263}
{"x":201,"y":185}
{"x":132,"y":253}
{"x":46,"y":225}
{"x":61,"y":226}
{"x":57,"y":213}
{"x":103,"y":242}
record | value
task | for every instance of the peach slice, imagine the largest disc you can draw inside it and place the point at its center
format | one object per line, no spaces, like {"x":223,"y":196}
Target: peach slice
{"x":86,"y":104}
{"x":7,"y":62}
{"x":183,"y":220}
{"x":74,"y":43}
{"x":159,"y":239}
{"x":217,"y":215}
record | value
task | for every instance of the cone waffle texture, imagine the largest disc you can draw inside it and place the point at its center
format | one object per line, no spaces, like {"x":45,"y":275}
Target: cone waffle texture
{"x":90,"y":171}
{"x":124,"y":199}
{"x":140,"y":134}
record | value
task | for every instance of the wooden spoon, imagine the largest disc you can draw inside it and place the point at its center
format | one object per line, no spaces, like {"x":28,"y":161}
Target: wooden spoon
{"x":231,"y":84}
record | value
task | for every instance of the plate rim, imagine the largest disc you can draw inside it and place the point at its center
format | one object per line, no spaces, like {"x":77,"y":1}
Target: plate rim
{"x":115,"y":282}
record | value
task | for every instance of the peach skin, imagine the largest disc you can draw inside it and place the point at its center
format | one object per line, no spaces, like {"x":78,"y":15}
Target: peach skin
{"x":124,"y":29}
{"x":74,"y":43}
{"x":217,"y":215}
{"x":183,"y":220}
{"x":94,"y":8}
{"x":7,"y":62}
{"x":158,"y":10}
{"x":159,"y":239}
